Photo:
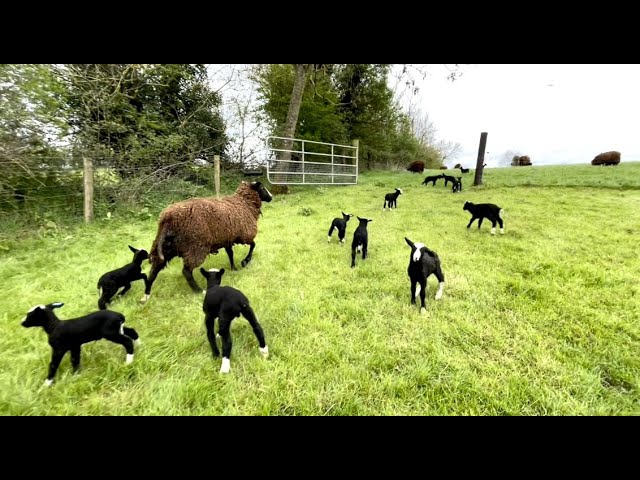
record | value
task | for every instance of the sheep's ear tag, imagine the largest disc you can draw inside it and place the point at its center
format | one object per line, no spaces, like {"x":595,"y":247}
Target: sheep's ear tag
{"x":57,"y":305}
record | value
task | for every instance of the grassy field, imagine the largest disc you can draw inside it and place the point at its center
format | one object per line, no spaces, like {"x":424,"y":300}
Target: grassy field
{"x":544,"y":320}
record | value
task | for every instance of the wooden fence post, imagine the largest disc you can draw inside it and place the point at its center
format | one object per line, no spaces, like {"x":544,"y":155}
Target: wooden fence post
{"x":216,"y":173}
{"x":88,"y":190}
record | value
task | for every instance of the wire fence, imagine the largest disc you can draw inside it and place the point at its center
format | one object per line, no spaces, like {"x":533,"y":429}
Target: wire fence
{"x":47,"y":188}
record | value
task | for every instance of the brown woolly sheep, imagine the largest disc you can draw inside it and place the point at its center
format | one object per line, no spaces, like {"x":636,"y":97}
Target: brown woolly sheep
{"x":458,"y":165}
{"x":194,"y":228}
{"x":417,"y":166}
{"x":443,"y":167}
{"x":521,"y":161}
{"x":607,"y":158}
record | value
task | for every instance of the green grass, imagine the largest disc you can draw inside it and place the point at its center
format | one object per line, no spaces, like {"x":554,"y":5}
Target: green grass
{"x":543,"y":320}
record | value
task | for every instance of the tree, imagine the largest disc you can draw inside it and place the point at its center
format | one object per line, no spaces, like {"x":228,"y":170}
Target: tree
{"x":144,"y":116}
{"x":32,"y":126}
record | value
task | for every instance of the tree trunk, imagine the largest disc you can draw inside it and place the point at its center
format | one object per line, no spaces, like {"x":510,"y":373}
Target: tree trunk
{"x":289,"y":128}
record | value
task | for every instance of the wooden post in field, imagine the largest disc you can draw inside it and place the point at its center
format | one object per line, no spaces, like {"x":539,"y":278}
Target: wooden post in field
{"x":356,"y":143}
{"x":479,"y":166}
{"x":216,"y":173}
{"x":88,"y":190}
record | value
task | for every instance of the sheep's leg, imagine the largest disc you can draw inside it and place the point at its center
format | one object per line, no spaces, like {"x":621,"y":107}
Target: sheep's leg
{"x":105,"y":298}
{"x":341,"y":235}
{"x":330,"y":232}
{"x":501,"y":225}
{"x":125,"y":341}
{"x":75,"y":358}
{"x":250,"y":315}
{"x":413,"y":291}
{"x":493,"y":226}
{"x":125,"y":289}
{"x":470,"y":222}
{"x":225,"y":332}
{"x":423,"y":294}
{"x":187,"y":272}
{"x":56,"y":358}
{"x":155,"y":269}
{"x":440,"y":277}
{"x":249,"y":256}
{"x":364,"y":250}
{"x":229,"y":251}
{"x":132,"y":334}
{"x":480,"y":222}
{"x":353,"y":256}
{"x":210,"y":322}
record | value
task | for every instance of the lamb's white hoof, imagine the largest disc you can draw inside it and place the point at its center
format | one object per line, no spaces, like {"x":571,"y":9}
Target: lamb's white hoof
{"x":493,"y":231}
{"x":137,"y":341}
{"x":144,"y":298}
{"x":328,"y":239}
{"x":47,"y":383}
{"x":265,"y":351}
{"x":502,"y":231}
{"x":129,"y":359}
{"x":438,"y":295}
{"x":423,"y":311}
{"x":226,"y":365}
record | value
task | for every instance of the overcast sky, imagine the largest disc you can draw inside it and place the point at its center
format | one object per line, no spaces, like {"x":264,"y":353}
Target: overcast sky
{"x":556,"y":114}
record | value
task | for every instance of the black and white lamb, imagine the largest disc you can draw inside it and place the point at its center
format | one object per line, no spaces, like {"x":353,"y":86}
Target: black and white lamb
{"x":227,"y":303}
{"x":110,"y":282}
{"x":360,"y":240}
{"x":481,"y":211}
{"x":69,"y":335}
{"x":448,"y":178}
{"x":457,"y":185}
{"x":422,"y":263}
{"x":341,"y":225}
{"x":391,"y":199}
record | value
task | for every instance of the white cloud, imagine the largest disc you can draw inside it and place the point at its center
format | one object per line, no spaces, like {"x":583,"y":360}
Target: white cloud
{"x":554,"y":113}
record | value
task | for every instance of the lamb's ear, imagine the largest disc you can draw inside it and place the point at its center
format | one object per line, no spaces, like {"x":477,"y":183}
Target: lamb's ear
{"x":369,"y":220}
{"x":55,"y":305}
{"x":134,"y":250}
{"x":409,"y":242}
{"x":204,"y":273}
{"x":220,"y":273}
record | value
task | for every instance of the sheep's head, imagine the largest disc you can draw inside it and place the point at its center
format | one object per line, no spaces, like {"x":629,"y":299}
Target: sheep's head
{"x":399,"y":190}
{"x":213,"y":276}
{"x":139,"y":256}
{"x":37,"y":316}
{"x":364,"y":221}
{"x":417,"y":250}
{"x":467,"y":206}
{"x":346,"y":216}
{"x":265,"y":195}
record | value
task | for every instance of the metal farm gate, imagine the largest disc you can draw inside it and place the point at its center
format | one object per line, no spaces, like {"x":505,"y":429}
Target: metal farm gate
{"x":294,"y":161}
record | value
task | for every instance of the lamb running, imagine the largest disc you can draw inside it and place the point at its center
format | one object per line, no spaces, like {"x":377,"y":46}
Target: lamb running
{"x":391,"y":199}
{"x":360,"y":240}
{"x":70,"y":335}
{"x":481,"y":211}
{"x":341,"y":225}
{"x":110,"y":282}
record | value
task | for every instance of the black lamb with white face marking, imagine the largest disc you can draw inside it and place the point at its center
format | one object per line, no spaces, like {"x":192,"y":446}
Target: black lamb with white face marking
{"x":70,"y":335}
{"x":423,"y":263}
{"x":227,"y":303}
{"x":360,"y":240}
{"x":341,"y":225}
{"x":480,"y":211}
